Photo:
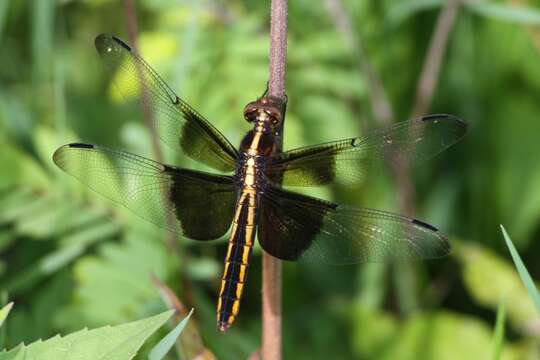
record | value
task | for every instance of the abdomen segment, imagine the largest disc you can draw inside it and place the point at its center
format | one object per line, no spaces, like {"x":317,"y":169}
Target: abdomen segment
{"x":237,"y":260}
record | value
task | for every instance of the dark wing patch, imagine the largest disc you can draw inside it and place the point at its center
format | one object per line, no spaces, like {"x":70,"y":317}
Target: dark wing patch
{"x":177,"y":123}
{"x":298,"y":227}
{"x":349,"y":160}
{"x":201,"y":205}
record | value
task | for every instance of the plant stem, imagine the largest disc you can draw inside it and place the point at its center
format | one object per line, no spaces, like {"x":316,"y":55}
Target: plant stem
{"x":278,"y":48}
{"x":382,"y":112}
{"x":271,"y":267}
{"x":429,"y":76}
{"x":381,"y":107}
{"x":132,"y":29}
{"x":191,"y":334}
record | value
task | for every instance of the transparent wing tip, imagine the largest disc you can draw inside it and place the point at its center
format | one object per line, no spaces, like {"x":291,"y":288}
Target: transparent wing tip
{"x":446,"y":119}
{"x":425,"y":225}
{"x":58,"y":156}
{"x":106,"y":43}
{"x":441,"y":248}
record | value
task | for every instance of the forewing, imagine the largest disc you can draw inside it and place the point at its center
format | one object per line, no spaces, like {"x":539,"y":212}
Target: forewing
{"x":200,"y":205}
{"x":298,"y":227}
{"x":176,"y":123}
{"x":348,"y":160}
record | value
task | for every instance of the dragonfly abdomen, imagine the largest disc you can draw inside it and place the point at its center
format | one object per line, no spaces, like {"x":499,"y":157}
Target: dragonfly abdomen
{"x":237,"y":259}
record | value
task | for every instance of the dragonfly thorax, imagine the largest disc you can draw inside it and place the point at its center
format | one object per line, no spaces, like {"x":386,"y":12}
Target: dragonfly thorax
{"x":258,"y":141}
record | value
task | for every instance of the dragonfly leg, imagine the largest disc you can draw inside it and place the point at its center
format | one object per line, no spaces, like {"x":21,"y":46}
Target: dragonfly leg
{"x":266,"y":90}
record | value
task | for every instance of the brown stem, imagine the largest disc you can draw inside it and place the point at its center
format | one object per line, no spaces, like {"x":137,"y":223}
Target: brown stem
{"x":271,"y":271}
{"x":278,"y":48}
{"x":429,"y":76}
{"x":190,"y":345}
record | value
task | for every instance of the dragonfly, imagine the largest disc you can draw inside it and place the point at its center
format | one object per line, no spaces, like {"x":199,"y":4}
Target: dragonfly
{"x":254,"y":200}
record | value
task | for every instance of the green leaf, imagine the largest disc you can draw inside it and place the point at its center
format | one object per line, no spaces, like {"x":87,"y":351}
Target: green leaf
{"x":56,"y":260}
{"x":95,"y":232}
{"x":115,"y":284}
{"x":370,"y":340}
{"x":498,"y":11}
{"x":162,"y":348}
{"x":498,"y":338}
{"x":522,"y":270}
{"x":5,"y":312}
{"x":3,"y":16}
{"x":33,"y":207}
{"x":405,"y":9}
{"x":112,"y":343}
{"x":203,"y":269}
{"x":423,"y":335}
{"x":489,"y":278}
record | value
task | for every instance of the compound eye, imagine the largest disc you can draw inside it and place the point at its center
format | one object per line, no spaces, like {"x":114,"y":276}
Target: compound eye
{"x":249,"y":116}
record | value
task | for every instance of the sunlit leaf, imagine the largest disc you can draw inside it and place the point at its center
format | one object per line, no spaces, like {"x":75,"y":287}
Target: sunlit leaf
{"x":165,"y":345}
{"x":19,"y":168}
{"x":112,"y":343}
{"x":504,"y":12}
{"x":4,"y":312}
{"x":158,"y":50}
{"x":498,"y":336}
{"x":522,"y":271}
{"x":489,"y":279}
{"x":438,"y":335}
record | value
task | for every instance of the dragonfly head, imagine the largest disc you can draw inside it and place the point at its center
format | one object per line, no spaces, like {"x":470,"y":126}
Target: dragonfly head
{"x":266,"y":111}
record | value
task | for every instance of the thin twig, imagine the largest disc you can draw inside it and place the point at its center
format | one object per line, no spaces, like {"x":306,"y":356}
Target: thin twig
{"x":380,"y":104}
{"x":131,"y":16}
{"x":132,"y":30}
{"x":429,"y":76}
{"x":190,"y":345}
{"x":148,"y":115}
{"x":382,"y":109}
{"x":271,"y":277}
{"x":383,"y":115}
{"x":427,"y":84}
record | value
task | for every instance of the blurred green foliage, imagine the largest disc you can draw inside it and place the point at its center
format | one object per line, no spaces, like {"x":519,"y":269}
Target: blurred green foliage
{"x":71,"y":259}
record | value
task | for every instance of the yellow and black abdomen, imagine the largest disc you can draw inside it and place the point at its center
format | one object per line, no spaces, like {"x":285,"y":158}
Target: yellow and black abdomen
{"x":237,"y":259}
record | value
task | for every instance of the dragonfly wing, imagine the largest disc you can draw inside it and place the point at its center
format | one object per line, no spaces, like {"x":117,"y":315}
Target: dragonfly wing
{"x":177,"y":123}
{"x":298,"y":227}
{"x":348,"y":160}
{"x":200,"y":205}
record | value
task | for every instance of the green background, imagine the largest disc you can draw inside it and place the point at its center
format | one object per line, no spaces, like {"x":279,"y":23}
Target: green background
{"x":71,"y":259}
